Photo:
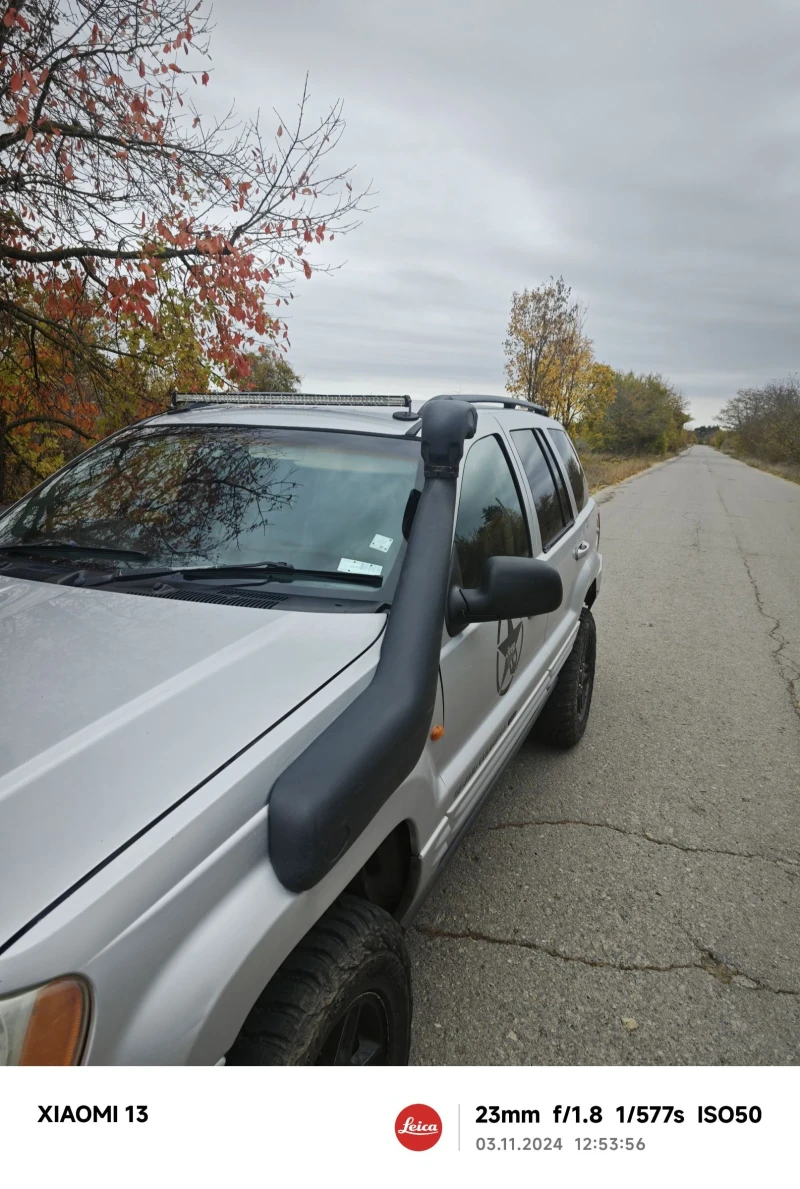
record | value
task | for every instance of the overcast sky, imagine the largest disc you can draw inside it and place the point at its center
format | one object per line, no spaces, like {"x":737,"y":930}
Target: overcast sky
{"x":649,"y":150}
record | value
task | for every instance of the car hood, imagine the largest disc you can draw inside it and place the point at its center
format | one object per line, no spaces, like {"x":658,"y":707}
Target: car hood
{"x":113,"y":707}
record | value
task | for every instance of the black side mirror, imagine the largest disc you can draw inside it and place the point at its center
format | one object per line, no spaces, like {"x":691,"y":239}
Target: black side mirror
{"x":511,"y":588}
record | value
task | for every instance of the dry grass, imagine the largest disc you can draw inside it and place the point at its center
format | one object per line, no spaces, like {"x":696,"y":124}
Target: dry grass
{"x":785,"y":470}
{"x":604,"y":469}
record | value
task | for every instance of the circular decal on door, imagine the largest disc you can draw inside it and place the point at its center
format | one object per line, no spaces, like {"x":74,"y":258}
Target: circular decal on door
{"x":509,"y":652}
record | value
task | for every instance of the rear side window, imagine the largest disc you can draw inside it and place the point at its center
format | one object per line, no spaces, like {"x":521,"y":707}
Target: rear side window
{"x":571,"y":463}
{"x":552,"y":507}
{"x":490,"y":521}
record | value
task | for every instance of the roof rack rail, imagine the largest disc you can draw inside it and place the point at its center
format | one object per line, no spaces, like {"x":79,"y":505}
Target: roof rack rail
{"x":508,"y":402}
{"x":182,"y":401}
{"x":472,"y":398}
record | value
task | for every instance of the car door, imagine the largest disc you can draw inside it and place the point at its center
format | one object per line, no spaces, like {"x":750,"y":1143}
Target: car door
{"x":490,"y":671}
{"x":559,"y":531}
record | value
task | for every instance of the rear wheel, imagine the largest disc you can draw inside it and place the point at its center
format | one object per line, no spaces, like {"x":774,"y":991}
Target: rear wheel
{"x":342,"y":997}
{"x":564,"y":718}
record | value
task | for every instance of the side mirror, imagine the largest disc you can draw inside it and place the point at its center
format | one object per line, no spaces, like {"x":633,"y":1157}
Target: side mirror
{"x":511,"y":588}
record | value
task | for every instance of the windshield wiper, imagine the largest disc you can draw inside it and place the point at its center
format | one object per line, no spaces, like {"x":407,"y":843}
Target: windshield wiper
{"x":72,"y":547}
{"x":245,"y":570}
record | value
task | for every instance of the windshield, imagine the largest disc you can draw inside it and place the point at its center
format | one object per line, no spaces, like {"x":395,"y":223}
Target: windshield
{"x":227,"y":495}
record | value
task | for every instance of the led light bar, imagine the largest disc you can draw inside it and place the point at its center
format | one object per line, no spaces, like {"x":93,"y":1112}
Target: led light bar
{"x":285,"y":398}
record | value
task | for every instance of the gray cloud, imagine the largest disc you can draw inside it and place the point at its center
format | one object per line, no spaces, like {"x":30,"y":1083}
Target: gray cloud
{"x":649,"y":152}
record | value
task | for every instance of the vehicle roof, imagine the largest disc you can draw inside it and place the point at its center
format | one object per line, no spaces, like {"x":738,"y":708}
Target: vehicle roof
{"x":355,"y":418}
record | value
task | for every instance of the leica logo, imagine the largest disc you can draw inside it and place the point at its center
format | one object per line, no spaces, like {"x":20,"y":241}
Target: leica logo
{"x":418,"y":1127}
{"x":410,"y":1126}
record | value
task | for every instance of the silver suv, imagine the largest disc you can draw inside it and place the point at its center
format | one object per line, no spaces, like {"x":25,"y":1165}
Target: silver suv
{"x":263,"y":657}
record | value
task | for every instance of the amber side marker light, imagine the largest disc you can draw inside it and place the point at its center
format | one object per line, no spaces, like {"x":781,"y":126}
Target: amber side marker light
{"x":57,"y":1024}
{"x":437,"y":732}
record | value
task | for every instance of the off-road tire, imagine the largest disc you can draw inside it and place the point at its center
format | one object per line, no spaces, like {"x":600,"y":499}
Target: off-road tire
{"x":566,"y":712}
{"x":355,"y":954}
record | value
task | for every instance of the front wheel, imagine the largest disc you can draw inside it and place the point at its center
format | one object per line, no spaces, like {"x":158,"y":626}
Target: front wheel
{"x":566,"y":712}
{"x":342,"y":997}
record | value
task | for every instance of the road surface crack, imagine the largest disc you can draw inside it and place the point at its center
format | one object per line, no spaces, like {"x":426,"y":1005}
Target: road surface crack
{"x":708,"y":962}
{"x":474,"y":935}
{"x":695,"y":542}
{"x":788,"y":670}
{"x":701,"y":850}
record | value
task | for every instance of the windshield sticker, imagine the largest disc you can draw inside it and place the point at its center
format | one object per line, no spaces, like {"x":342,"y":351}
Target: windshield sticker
{"x":348,"y":566}
{"x":383,"y":544}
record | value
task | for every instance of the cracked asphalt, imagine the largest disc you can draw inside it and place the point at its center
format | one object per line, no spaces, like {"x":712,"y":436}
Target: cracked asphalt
{"x":636,"y":901}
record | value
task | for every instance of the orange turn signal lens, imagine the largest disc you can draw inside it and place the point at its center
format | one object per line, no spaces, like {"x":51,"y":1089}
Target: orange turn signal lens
{"x":437,"y":732}
{"x":57,"y":1024}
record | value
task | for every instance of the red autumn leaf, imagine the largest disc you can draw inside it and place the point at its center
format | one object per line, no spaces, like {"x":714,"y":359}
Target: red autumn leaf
{"x":307,"y":269}
{"x":10,"y":16}
{"x":69,"y":173}
{"x":16,"y":80}
{"x":204,"y":78}
{"x":280,"y":130}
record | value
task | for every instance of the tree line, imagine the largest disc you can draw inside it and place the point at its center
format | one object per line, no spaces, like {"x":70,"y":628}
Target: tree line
{"x":764,"y":423}
{"x":550,"y":361}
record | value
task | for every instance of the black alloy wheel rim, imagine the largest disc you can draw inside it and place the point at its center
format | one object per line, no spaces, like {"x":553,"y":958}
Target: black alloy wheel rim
{"x":585,"y":677}
{"x":359,"y":1035}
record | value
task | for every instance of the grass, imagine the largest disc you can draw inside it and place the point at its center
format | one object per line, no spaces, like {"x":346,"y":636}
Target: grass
{"x":785,"y":470}
{"x":604,"y":469}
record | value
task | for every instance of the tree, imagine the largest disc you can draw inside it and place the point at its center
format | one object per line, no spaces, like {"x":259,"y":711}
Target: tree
{"x":120,"y":206}
{"x":577,"y":387}
{"x":551,"y":359}
{"x":269,"y":372}
{"x":705,"y":434}
{"x":646,"y":416}
{"x":765,"y":422}
{"x":539,"y":318}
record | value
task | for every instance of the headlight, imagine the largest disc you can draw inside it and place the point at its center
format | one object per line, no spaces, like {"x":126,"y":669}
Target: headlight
{"x":46,"y":1025}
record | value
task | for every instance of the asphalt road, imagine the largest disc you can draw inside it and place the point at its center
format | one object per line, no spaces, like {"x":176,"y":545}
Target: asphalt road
{"x":637,"y":900}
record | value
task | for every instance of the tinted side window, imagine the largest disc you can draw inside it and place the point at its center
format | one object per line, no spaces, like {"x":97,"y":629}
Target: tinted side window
{"x":566,"y":452}
{"x":558,"y":478}
{"x":490,"y":521}
{"x":540,"y":477}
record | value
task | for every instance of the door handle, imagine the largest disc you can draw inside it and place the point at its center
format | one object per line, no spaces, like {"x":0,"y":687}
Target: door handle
{"x":581,"y":549}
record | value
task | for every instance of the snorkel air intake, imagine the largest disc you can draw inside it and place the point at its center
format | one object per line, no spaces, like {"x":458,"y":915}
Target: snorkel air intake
{"x":322,"y":802}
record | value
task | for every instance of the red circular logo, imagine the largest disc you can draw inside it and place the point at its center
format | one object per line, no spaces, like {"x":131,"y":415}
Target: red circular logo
{"x":418,"y":1127}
